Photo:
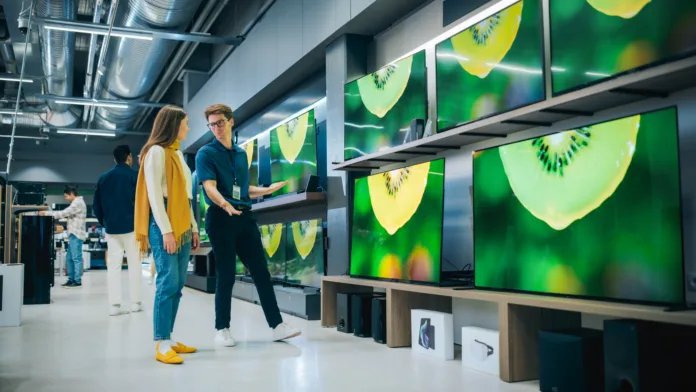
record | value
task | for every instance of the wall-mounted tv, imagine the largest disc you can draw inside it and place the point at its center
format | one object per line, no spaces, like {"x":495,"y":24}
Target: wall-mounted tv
{"x":273,"y":238}
{"x":396,"y":231}
{"x":305,"y":253}
{"x":251,"y":149}
{"x":592,"y":40}
{"x":294,"y":152}
{"x":492,"y":67}
{"x":591,"y":212}
{"x":379,"y":107}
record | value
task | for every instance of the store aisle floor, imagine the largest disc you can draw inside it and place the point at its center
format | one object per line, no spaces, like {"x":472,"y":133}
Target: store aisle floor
{"x":73,"y":345}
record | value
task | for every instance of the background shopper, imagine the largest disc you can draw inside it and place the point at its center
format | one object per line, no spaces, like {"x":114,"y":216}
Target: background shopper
{"x":76,"y":214}
{"x":165,"y":223}
{"x":222,"y":169}
{"x":114,"y":207}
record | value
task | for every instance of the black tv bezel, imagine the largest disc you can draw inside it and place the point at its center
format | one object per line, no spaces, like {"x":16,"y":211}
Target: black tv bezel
{"x":316,"y":159}
{"x":320,"y":231}
{"x":442,"y":228}
{"x":425,"y":94}
{"x":589,"y":297}
{"x":544,"y":68}
{"x":666,"y":60}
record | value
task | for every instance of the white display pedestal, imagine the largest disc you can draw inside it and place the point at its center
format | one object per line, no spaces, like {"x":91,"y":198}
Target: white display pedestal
{"x":432,"y":333}
{"x":11,"y":294}
{"x":480,"y":349}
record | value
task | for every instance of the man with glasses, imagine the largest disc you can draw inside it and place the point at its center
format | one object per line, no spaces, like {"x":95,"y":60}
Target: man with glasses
{"x":223,"y":170}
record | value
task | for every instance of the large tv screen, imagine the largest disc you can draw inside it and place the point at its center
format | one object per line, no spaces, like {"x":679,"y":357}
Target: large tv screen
{"x":591,"y":212}
{"x":274,"y":239}
{"x":492,"y":67}
{"x":305,"y":254}
{"x":202,"y":211}
{"x":294,"y":152}
{"x":251,"y":148}
{"x":592,"y":40}
{"x":240,"y":268}
{"x":397,"y":224}
{"x":379,"y":107}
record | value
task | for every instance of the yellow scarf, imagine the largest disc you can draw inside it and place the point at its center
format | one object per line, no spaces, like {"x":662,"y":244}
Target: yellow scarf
{"x":178,"y":205}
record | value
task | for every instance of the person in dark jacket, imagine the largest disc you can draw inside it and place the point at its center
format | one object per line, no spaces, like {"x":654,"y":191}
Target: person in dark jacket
{"x":114,"y":207}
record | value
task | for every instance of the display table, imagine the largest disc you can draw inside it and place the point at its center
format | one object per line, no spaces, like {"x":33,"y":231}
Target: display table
{"x":521,"y":316}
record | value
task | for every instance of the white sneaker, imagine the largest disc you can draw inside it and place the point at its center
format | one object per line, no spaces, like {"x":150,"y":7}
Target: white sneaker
{"x":224,"y":338}
{"x":116,"y":310}
{"x":137,"y":307}
{"x":285,"y":331}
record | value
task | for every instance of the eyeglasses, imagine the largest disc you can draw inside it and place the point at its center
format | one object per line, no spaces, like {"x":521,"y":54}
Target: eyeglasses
{"x":218,"y":123}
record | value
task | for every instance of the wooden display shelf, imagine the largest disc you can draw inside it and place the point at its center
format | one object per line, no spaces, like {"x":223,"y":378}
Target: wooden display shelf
{"x":289,"y":201}
{"x":654,"y":82}
{"x":521,"y":316}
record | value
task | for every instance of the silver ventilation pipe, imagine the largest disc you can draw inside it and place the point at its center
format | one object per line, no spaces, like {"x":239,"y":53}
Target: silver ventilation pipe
{"x":23,"y":120}
{"x":133,"y":66}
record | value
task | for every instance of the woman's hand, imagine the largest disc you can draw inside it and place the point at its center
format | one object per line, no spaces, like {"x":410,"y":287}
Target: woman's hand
{"x":169,"y":243}
{"x":196,"y":241}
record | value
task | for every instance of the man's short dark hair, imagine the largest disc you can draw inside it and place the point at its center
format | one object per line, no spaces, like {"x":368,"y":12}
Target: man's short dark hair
{"x":121,"y":153}
{"x":219,"y":109}
{"x":70,"y":190}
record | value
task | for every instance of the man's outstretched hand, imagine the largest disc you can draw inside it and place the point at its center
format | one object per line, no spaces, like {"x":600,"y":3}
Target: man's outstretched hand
{"x":231,"y":210}
{"x":276,"y":186}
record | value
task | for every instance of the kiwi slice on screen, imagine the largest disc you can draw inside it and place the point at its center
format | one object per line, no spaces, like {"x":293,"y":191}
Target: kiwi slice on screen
{"x":381,"y":90}
{"x":270,"y":237}
{"x":419,"y":265}
{"x":249,"y":148}
{"x":304,"y":233}
{"x":396,"y":194}
{"x":562,"y":177}
{"x":626,"y":9}
{"x":291,"y":137}
{"x":481,"y":47}
{"x":390,"y":267}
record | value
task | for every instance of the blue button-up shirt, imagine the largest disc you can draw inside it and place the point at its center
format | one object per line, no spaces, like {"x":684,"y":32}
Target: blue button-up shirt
{"x":215,"y":162}
{"x":114,"y":200}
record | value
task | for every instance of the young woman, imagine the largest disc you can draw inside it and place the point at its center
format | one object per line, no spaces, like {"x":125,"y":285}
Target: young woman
{"x":164,"y":222}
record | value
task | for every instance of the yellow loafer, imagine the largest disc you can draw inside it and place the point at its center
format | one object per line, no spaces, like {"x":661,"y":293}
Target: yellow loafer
{"x":181,"y":348}
{"x":170,"y":358}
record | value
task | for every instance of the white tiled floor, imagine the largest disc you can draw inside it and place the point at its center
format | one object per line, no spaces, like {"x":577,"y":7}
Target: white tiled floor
{"x":73,"y":345}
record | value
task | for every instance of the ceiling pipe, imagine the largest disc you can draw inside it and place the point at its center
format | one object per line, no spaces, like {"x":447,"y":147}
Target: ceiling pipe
{"x":87,"y":93}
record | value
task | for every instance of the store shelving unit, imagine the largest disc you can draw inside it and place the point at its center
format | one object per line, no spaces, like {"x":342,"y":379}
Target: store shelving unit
{"x":521,"y":316}
{"x":290,"y":201}
{"x":656,"y":82}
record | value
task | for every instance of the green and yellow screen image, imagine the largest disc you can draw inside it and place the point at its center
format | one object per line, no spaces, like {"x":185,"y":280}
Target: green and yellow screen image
{"x":379,"y":107}
{"x":241,"y":269}
{"x":203,"y":209}
{"x":251,"y":149}
{"x":294,"y":152}
{"x":592,"y":212}
{"x":274,"y":239}
{"x":592,"y":40}
{"x":397,"y":224}
{"x":305,"y":255}
{"x":493,"y":66}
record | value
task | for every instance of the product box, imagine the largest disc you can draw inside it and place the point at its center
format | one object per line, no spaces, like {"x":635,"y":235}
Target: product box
{"x":432,"y":333}
{"x":480,"y":349}
{"x":11,"y":294}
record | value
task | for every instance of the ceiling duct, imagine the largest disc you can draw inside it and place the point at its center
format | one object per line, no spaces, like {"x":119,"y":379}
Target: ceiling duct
{"x":133,"y":66}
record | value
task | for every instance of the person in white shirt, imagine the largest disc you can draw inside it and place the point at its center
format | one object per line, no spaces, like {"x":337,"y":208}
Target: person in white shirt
{"x":76,"y":214}
{"x":164,"y":223}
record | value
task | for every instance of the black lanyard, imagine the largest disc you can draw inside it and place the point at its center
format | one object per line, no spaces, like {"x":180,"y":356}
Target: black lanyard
{"x":233,"y":155}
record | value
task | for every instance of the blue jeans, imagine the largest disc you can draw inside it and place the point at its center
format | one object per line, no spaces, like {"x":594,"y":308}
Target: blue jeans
{"x":171,"y":276}
{"x":73,"y":259}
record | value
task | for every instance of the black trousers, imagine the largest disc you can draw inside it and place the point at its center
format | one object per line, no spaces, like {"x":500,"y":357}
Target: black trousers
{"x":238,"y":235}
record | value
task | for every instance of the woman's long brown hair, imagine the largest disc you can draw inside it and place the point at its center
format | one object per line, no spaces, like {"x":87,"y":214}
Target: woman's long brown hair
{"x":165,"y":130}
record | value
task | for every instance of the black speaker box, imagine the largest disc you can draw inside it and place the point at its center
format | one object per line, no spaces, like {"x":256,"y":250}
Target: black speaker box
{"x":343,"y":313}
{"x":642,"y":356}
{"x":361,"y":318}
{"x":379,"y":319}
{"x":570,"y":360}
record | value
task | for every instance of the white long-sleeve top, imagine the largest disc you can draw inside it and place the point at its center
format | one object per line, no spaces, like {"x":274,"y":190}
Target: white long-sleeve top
{"x":156,"y":182}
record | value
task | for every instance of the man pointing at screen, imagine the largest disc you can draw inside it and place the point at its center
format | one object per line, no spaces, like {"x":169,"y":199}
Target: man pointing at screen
{"x":223,"y":170}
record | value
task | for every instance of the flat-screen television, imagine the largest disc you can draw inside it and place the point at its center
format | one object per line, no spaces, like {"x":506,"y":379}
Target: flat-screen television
{"x":492,"y":67}
{"x":251,"y":148}
{"x":305,"y":253}
{"x":590,"y":212}
{"x":379,"y":107}
{"x":273,"y":238}
{"x":592,"y":40}
{"x":294,"y":152}
{"x":240,"y":268}
{"x":396,"y":229}
{"x":202,"y":210}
